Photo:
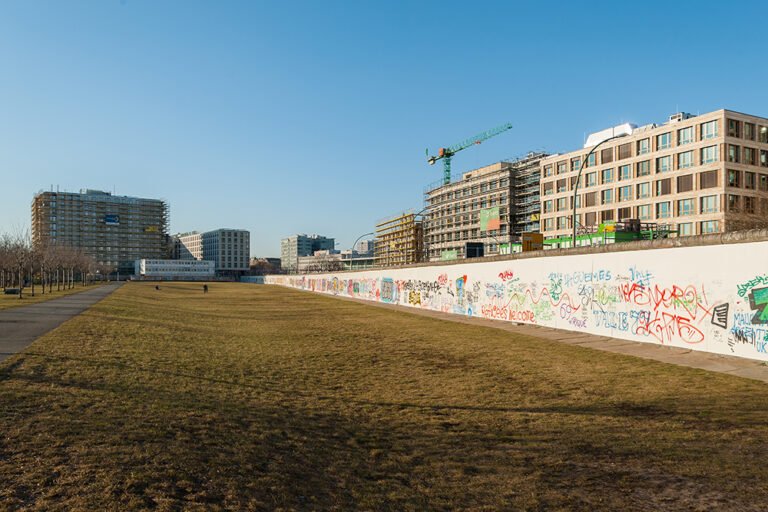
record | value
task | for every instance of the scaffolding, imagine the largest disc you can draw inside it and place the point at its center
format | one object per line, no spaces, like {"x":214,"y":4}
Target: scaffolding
{"x":399,"y":240}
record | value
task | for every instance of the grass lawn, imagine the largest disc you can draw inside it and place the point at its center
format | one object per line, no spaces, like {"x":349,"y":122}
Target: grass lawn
{"x":265,"y":398}
{"x":10,"y":301}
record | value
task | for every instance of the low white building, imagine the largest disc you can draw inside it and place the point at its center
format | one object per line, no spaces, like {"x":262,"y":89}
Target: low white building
{"x":175,"y":269}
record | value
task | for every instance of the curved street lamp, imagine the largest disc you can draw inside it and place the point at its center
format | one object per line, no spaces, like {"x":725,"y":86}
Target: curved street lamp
{"x":352,"y":251}
{"x":623,"y":133}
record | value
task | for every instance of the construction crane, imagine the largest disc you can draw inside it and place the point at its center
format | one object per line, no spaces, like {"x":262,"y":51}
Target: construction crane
{"x":447,"y":153}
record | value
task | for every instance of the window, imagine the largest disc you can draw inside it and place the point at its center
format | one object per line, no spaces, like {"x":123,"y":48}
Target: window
{"x":606,"y":196}
{"x":749,"y":131}
{"x":590,"y":218}
{"x":710,"y":154}
{"x":734,"y":178}
{"x":686,"y":207}
{"x":708,"y":179}
{"x":762,"y":134}
{"x":663,"y":187}
{"x":591,"y":161}
{"x":575,"y":164}
{"x":643,"y":190}
{"x":606,"y":215}
{"x":549,"y":224}
{"x":548,"y":206}
{"x":663,"y":141}
{"x":763,"y":158}
{"x":685,"y":160}
{"x":625,"y":150}
{"x":562,"y":167}
{"x":749,"y":205}
{"x":733,"y":203}
{"x":709,"y":226}
{"x":664,"y":164}
{"x":561,"y":185}
{"x":590,"y":199}
{"x":763,"y":182}
{"x":625,"y":172}
{"x":562,"y":204}
{"x":733,"y":128}
{"x":749,"y":156}
{"x":733,"y":153}
{"x":548,"y":188}
{"x":685,"y":183}
{"x":685,"y":136}
{"x":606,"y":156}
{"x":749,"y":180}
{"x":709,"y":204}
{"x":562,"y":223}
{"x":547,"y":170}
{"x":591,"y":179}
{"x":644,"y":212}
{"x":625,"y":193}
{"x":643,"y":168}
{"x":606,"y":176}
{"x":709,"y":130}
{"x":663,"y":210}
{"x":625,"y":213}
{"x":685,"y":229}
{"x":643,"y":146}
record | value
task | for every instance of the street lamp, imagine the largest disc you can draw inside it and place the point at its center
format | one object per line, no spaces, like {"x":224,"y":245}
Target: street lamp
{"x":624,"y":130}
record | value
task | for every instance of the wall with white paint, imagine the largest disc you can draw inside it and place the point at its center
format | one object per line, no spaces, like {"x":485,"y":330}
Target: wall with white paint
{"x":710,"y":298}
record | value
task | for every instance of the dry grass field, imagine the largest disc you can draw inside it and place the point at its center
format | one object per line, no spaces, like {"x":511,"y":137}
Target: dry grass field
{"x":263,"y":398}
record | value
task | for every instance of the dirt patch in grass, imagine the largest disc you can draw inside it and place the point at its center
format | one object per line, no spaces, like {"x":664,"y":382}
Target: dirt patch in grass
{"x":264,"y":398}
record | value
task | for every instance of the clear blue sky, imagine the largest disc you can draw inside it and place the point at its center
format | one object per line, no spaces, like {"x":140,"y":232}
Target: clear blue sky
{"x":290,"y":117}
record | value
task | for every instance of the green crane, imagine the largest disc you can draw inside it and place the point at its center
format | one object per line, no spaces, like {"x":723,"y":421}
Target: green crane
{"x":447,"y":153}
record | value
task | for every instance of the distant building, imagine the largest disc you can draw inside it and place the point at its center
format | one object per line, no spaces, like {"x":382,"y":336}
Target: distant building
{"x":174,"y":269}
{"x":320,"y":261}
{"x":188,"y":246}
{"x":113,"y":230}
{"x":365,"y":247}
{"x":399,"y":241}
{"x":296,"y":246}
{"x":229,"y":249}
{"x":691,"y":175}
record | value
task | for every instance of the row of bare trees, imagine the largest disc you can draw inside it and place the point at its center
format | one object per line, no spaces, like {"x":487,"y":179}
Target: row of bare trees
{"x":23,"y":264}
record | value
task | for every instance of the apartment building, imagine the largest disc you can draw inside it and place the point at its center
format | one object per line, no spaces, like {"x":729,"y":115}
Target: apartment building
{"x":399,"y":241}
{"x":188,"y":246}
{"x":229,"y":249}
{"x":114,"y":230}
{"x":293,"y":247}
{"x":492,"y":205}
{"x":696,"y":174}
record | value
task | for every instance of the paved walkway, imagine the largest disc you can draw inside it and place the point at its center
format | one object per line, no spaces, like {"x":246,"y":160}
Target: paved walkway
{"x":20,"y":326}
{"x":731,"y":365}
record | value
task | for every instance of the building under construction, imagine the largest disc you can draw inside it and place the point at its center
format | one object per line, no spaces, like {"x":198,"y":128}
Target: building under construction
{"x":114,"y":230}
{"x":399,"y":241}
{"x":492,"y":206}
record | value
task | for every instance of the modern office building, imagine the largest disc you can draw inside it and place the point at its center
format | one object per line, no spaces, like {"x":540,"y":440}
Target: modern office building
{"x":691,"y":175}
{"x":114,"y":230}
{"x":229,"y":249}
{"x":187,"y":269}
{"x":492,"y":206}
{"x":188,"y":246}
{"x":295,"y":246}
{"x":399,"y":241}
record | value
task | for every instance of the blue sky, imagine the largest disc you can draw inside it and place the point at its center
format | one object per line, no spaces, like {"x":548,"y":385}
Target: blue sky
{"x":313,"y":117}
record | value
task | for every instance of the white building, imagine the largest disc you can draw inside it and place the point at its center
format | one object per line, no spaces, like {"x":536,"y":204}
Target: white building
{"x":174,"y":269}
{"x":189,"y":246}
{"x":229,"y":249}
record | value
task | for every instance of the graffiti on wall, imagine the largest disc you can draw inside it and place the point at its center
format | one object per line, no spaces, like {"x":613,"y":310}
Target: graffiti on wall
{"x":669,"y":297}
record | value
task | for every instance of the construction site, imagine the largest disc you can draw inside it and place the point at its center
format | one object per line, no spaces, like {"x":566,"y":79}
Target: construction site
{"x":399,"y":240}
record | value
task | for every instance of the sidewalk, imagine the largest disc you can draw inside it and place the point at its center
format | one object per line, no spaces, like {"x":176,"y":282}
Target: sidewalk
{"x":730,"y":365}
{"x":20,"y":326}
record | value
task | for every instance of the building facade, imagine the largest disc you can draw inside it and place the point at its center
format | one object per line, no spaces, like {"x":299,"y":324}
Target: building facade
{"x":399,"y":241}
{"x":174,"y":269}
{"x":114,"y":230}
{"x":492,"y":205}
{"x":229,"y":249}
{"x":296,"y":246}
{"x":188,"y":246}
{"x":691,"y":175}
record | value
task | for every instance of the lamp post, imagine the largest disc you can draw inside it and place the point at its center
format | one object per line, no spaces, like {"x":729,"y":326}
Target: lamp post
{"x":581,"y":168}
{"x":352,"y":252}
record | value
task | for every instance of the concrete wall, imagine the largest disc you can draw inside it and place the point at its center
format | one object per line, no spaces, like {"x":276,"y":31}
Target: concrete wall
{"x":712,"y":298}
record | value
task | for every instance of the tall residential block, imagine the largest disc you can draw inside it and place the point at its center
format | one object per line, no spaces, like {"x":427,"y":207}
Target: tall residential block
{"x":229,"y":249}
{"x":690,"y":175}
{"x":188,"y":246}
{"x":399,"y":241}
{"x":492,"y":205}
{"x":293,"y":247}
{"x":114,"y":230}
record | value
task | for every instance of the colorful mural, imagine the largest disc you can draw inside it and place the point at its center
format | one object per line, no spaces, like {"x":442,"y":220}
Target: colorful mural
{"x":710,"y":298}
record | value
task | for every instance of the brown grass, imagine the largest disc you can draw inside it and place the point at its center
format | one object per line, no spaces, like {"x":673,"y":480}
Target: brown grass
{"x":264,"y":398}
